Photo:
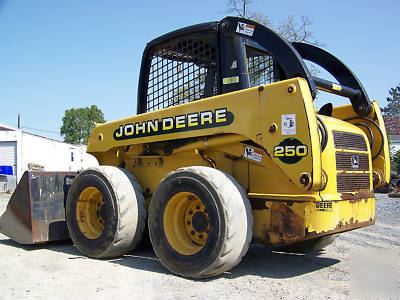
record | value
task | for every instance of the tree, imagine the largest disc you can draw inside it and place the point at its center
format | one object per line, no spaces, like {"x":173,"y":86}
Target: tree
{"x":190,"y":91}
{"x":391,"y":116}
{"x":78,"y":124}
{"x":391,"y":113}
{"x":260,"y":65}
{"x":239,"y":7}
{"x":289,"y":28}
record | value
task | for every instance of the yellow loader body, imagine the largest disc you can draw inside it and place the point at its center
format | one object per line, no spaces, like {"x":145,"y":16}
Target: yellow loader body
{"x":290,"y":201}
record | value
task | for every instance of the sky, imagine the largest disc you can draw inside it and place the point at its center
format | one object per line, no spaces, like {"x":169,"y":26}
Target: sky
{"x":57,"y":55}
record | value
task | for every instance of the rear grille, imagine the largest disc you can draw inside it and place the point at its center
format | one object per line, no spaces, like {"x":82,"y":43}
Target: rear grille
{"x":352,"y":182}
{"x":349,"y":141}
{"x":352,"y":162}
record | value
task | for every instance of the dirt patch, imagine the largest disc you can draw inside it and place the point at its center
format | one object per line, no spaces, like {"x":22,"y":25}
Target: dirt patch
{"x":58,"y":270}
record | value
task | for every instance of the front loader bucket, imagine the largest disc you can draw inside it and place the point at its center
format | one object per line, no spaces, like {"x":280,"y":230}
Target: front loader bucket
{"x":36,"y":210}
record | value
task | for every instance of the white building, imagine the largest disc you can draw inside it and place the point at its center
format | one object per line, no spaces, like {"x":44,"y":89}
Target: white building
{"x":21,"y":151}
{"x":394,"y":140}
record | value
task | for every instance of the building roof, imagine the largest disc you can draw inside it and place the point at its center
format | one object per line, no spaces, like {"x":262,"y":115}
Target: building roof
{"x":5,"y":127}
{"x":394,"y":138}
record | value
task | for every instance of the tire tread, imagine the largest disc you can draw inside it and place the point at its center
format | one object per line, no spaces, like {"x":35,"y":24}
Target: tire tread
{"x":237,"y":211}
{"x":130,"y":210}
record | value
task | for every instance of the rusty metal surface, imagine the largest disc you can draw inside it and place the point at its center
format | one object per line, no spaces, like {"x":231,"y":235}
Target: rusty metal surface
{"x":357,"y":196}
{"x":281,"y":224}
{"x":36,"y":210}
{"x":341,"y":227}
{"x":286,"y":223}
{"x":285,"y":226}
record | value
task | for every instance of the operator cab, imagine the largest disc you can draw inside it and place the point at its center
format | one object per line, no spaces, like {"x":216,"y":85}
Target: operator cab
{"x":214,"y":58}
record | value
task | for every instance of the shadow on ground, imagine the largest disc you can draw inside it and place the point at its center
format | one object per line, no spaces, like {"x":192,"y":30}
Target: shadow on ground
{"x":265,"y":262}
{"x":144,"y":259}
{"x":259,"y":260}
{"x":60,"y":246}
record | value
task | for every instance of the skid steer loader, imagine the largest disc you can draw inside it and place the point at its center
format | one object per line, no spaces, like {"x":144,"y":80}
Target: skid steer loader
{"x":227,"y":148}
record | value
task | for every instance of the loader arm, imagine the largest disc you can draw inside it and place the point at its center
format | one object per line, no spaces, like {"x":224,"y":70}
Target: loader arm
{"x":348,"y":82}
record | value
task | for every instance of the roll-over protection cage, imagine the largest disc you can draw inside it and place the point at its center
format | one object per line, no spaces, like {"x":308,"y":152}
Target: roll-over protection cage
{"x":215,"y":58}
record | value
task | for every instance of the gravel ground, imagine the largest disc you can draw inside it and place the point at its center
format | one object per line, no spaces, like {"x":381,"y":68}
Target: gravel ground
{"x":58,"y":270}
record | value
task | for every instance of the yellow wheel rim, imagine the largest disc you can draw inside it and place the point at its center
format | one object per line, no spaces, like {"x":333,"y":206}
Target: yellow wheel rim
{"x":88,"y":212}
{"x":186,"y":223}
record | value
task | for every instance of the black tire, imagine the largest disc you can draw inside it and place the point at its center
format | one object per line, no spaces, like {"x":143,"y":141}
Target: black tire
{"x":316,"y":244}
{"x":105,"y":212}
{"x":215,"y":230}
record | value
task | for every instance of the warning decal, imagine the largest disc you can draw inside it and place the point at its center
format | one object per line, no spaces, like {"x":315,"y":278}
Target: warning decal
{"x":289,"y":124}
{"x":253,"y":154}
{"x":244,"y":28}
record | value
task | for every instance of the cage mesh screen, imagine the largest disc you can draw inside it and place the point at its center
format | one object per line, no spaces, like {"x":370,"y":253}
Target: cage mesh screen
{"x":182,"y":71}
{"x":261,"y":68}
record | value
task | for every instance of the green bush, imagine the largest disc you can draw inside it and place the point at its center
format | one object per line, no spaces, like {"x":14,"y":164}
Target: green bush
{"x":395,"y":161}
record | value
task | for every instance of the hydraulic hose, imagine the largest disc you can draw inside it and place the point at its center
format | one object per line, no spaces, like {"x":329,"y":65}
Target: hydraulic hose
{"x":324,"y":133}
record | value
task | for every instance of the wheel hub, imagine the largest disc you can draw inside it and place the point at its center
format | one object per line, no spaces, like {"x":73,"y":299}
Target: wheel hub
{"x":196,"y":221}
{"x":200,"y":221}
{"x":186,"y":223}
{"x":90,"y":212}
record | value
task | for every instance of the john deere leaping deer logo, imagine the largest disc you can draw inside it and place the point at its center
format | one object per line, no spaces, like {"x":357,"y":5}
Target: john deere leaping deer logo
{"x":355,"y":162}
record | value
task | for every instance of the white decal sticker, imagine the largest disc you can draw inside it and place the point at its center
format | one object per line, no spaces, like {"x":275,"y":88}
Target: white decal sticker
{"x":244,"y":28}
{"x":253,"y":154}
{"x":289,"y":124}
